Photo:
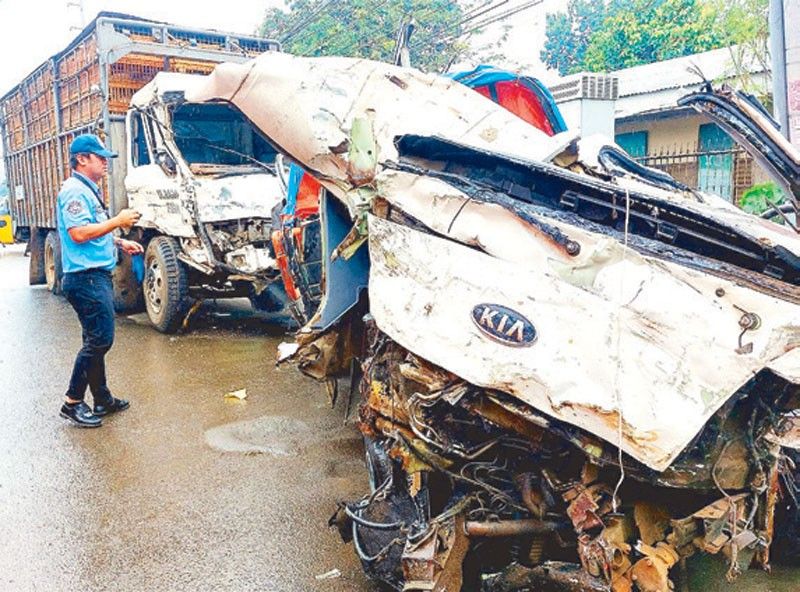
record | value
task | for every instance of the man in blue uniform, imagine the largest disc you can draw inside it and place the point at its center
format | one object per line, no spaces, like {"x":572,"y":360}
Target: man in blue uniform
{"x":88,"y":255}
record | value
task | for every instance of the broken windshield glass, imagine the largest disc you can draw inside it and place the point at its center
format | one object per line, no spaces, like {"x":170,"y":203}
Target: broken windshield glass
{"x":218,"y":134}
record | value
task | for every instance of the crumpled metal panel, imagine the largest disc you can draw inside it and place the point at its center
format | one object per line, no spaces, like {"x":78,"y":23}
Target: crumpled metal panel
{"x":645,"y":337}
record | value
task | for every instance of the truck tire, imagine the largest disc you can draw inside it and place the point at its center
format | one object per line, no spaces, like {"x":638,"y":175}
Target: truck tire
{"x":52,"y":262}
{"x":36,"y":275}
{"x":166,"y":287}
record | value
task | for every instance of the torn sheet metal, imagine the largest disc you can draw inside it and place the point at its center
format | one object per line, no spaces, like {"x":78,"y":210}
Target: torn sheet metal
{"x":660,"y":348}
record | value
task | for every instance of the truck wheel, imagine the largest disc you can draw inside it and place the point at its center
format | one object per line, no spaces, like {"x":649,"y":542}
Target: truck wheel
{"x":36,"y":275}
{"x":52,"y":262}
{"x":166,"y":288}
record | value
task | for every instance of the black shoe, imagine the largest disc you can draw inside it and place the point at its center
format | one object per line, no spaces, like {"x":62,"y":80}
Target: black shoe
{"x":81,"y":415}
{"x":101,"y":409}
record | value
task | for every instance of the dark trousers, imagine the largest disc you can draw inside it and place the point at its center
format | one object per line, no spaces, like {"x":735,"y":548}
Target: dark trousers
{"x":91,"y":295}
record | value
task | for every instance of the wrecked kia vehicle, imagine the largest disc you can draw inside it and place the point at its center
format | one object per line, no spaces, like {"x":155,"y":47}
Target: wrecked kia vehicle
{"x":573,"y":372}
{"x":205,"y":181}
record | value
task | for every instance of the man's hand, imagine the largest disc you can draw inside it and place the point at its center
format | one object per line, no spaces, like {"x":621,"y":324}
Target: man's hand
{"x":130,"y":247}
{"x":126,"y":218}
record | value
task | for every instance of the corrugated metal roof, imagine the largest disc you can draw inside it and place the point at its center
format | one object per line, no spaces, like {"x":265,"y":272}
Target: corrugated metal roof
{"x":677,"y":73}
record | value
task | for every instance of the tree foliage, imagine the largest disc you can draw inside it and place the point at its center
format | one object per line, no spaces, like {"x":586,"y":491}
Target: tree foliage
{"x":759,"y":198}
{"x":746,"y":25}
{"x":367,"y":29}
{"x":569,"y":33}
{"x":648,"y":31}
{"x":619,"y":34}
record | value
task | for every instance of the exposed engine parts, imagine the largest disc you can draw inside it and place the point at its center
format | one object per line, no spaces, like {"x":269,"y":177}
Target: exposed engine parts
{"x":464,"y":490}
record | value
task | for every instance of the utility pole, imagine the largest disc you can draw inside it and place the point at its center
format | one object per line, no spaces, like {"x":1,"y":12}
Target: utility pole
{"x":784,"y":28}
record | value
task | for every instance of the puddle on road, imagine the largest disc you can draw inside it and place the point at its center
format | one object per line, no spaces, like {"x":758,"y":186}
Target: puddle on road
{"x":276,"y":435}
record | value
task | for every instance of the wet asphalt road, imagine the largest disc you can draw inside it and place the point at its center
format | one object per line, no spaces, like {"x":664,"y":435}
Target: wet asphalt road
{"x":186,"y":490}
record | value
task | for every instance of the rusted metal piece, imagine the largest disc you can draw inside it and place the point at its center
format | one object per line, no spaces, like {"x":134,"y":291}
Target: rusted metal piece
{"x":434,"y":562}
{"x":768,"y":516}
{"x":651,"y":572}
{"x":531,"y":498}
{"x":653,"y":522}
{"x":718,"y":520}
{"x":510,"y":528}
{"x":326,"y":355}
{"x":587,"y":505}
{"x":553,"y":576}
{"x":505,"y":417}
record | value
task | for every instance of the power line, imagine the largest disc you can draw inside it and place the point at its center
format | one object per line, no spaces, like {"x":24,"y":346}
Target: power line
{"x":475,"y":15}
{"x":494,"y":19}
{"x":303,"y":24}
{"x":471,"y":15}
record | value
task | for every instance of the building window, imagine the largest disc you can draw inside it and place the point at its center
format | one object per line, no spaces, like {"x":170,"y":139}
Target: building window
{"x":634,"y":143}
{"x":715,"y":161}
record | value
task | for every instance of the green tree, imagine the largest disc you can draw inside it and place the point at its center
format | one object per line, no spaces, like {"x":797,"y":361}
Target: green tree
{"x":645,"y":31}
{"x":568,"y":34}
{"x":746,"y":26}
{"x":760,"y":198}
{"x":367,"y":29}
{"x":613,"y":34}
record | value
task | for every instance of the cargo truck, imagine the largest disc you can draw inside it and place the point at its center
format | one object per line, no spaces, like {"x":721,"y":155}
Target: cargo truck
{"x":203,"y":178}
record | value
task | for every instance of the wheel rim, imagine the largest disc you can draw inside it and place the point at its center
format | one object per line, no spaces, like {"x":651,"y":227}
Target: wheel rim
{"x":49,"y":266}
{"x":155,"y":286}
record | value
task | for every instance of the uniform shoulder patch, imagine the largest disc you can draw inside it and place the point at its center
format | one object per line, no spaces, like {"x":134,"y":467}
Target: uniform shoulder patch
{"x":75,"y":207}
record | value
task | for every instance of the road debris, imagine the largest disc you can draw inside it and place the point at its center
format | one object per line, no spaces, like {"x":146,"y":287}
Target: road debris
{"x":240,"y":394}
{"x":329,"y":575}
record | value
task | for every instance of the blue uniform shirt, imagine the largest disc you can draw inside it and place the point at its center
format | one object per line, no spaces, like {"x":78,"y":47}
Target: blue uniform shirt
{"x":79,"y":204}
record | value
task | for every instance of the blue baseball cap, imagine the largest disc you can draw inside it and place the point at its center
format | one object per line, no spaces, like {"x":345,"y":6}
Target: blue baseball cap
{"x":90,"y":144}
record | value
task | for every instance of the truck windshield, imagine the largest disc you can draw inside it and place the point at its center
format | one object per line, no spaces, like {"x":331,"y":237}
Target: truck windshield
{"x":218,"y":134}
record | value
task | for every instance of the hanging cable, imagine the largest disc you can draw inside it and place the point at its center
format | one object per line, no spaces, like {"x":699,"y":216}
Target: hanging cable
{"x":617,"y":392}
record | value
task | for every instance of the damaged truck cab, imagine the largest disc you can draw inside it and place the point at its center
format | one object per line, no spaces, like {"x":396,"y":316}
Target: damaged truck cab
{"x":205,"y":181}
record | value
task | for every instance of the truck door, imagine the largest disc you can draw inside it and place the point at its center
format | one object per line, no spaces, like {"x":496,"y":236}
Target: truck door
{"x":152,"y":182}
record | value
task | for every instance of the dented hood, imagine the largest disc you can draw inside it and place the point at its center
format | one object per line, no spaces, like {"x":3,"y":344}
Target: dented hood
{"x":747,"y":121}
